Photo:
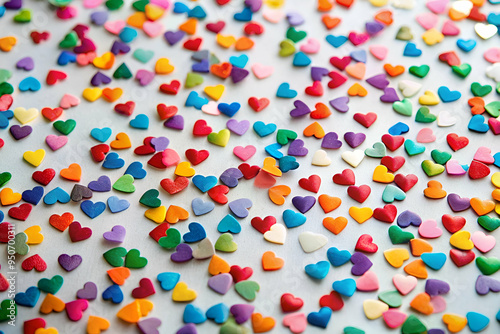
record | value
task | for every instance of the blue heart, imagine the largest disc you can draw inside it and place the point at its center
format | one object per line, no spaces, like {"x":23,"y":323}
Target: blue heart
{"x":336,"y":41}
{"x":117,"y":205}
{"x":229,"y":224}
{"x":239,"y":61}
{"x":494,"y":18}
{"x":200,"y":207}
{"x":4,"y":121}
{"x":346,"y":287}
{"x":477,"y":124}
{"x":300,"y":59}
{"x":318,"y":270}
{"x":447,"y":95}
{"x":28,"y":298}
{"x":56,"y":195}
{"x":285,"y":92}
{"x":193,"y":314}
{"x":204,"y":183}
{"x":29,"y":83}
{"x":411,"y":50}
{"x":168,"y":280}
{"x":229,"y":109}
{"x":263,"y":129}
{"x":398,"y":129}
{"x":113,"y":293}
{"x":196,"y":233}
{"x":2,"y":10}
{"x":101,"y":134}
{"x":65,"y":58}
{"x":434,"y":260}
{"x":218,"y":313}
{"x":180,"y":8}
{"x":273,"y":150}
{"x":140,"y":121}
{"x":32,"y":196}
{"x":7,"y":113}
{"x":477,"y":321}
{"x":413,"y":148}
{"x":293,"y":219}
{"x":321,"y":318}
{"x":358,"y":55}
{"x":244,"y":16}
{"x":466,"y":45}
{"x":113,"y":161}
{"x":135,"y":169}
{"x":92,"y":209}
{"x":288,"y":163}
{"x":202,"y":67}
{"x":496,"y":163}
{"x":194,"y":100}
{"x":127,"y":34}
{"x":338,"y":257}
{"x":197,"y":12}
{"x":1,"y":216}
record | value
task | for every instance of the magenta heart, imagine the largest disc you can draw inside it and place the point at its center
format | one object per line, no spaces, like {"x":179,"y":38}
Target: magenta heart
{"x":88,"y":292}
{"x":144,"y":77}
{"x":69,"y":263}
{"x":241,"y":312}
{"x":117,"y":233}
{"x":86,"y":46}
{"x":221,"y":283}
{"x":238,"y":127}
{"x":75,"y":308}
{"x":183,"y":253}
{"x":330,"y":140}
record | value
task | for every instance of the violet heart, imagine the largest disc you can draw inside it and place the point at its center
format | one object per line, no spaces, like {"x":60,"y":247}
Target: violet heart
{"x":361,"y":264}
{"x":202,"y":67}
{"x":13,"y":4}
{"x":26,"y":64}
{"x":240,"y":207}
{"x":187,"y":329}
{"x":144,"y":77}
{"x":254,"y":5}
{"x":183,"y":253}
{"x":301,"y":109}
{"x":317,"y":73}
{"x":458,"y":203}
{"x":241,"y":312}
{"x":99,"y":18}
{"x":294,"y":18}
{"x":407,"y":218}
{"x":238,"y":74}
{"x":119,"y":48}
{"x":172,"y":37}
{"x":354,"y":139}
{"x":20,"y":132}
{"x":434,"y":287}
{"x":238,"y":127}
{"x":303,"y":204}
{"x":149,"y":325}
{"x":378,"y":81}
{"x":88,"y":292}
{"x":69,"y":263}
{"x":297,"y":148}
{"x":102,"y":184}
{"x":100,"y":78}
{"x":117,"y":234}
{"x":390,"y":95}
{"x":231,"y":176}
{"x":175,"y":122}
{"x":160,"y":143}
{"x":340,"y":104}
{"x":221,"y":283}
{"x":373,"y":28}
{"x":485,"y":284}
{"x":330,"y":140}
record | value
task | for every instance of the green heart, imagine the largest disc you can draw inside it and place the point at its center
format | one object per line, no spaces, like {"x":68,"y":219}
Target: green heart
{"x":122,"y":72}
{"x":171,"y":240}
{"x":114,"y":256}
{"x":295,"y":35}
{"x":493,"y":108}
{"x":376,"y":151}
{"x":424,"y":116}
{"x":69,"y":41}
{"x":225,"y":243}
{"x":150,"y":198}
{"x":6,"y":309}
{"x":287,"y":48}
{"x":392,"y":193}
{"x":478,"y":90}
{"x":6,"y":88}
{"x":488,"y":265}
{"x":403,"y":107}
{"x":404,"y":34}
{"x":489,"y":223}
{"x":219,"y":138}
{"x":140,"y":5}
{"x":4,"y":178}
{"x":420,"y":71}
{"x":23,"y":16}
{"x":462,"y":70}
{"x":391,"y":298}
{"x":125,"y":184}
{"x":231,"y":327}
{"x":51,"y":285}
{"x":398,"y":236}
{"x":498,"y":88}
{"x":283,"y":136}
{"x":413,"y":325}
{"x":5,"y":75}
{"x":432,"y":169}
{"x":143,"y":55}
{"x":214,"y":59}
{"x":134,"y":260}
{"x":440,"y":157}
{"x":247,"y":289}
{"x":114,"y":4}
{"x":353,"y":330}
{"x":192,"y":80}
{"x":65,"y":127}
{"x":20,"y":246}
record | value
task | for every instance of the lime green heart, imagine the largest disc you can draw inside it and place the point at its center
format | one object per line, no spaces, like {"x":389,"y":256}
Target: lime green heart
{"x":398,"y":236}
{"x":143,"y":55}
{"x":8,"y":307}
{"x":413,"y":325}
{"x":225,"y":243}
{"x":247,"y":289}
{"x":219,"y":138}
{"x":20,"y":244}
{"x":391,"y":298}
{"x":376,"y":151}
{"x":231,"y":327}
{"x":23,"y":16}
{"x":462,"y":70}
{"x":171,"y":240}
{"x":5,"y":75}
{"x":140,"y":5}
{"x":403,"y":107}
{"x":150,"y":198}
{"x":295,"y":35}
{"x":51,"y":285}
{"x":114,"y":4}
{"x":134,"y":260}
{"x":493,"y":108}
{"x":192,"y":80}
{"x":283,"y":136}
{"x":479,"y":90}
{"x":489,"y":223}
{"x":287,"y":48}
{"x":432,"y":169}
{"x":6,"y":88}
{"x":488,"y":265}
{"x":424,"y":116}
{"x":122,"y":72}
{"x":497,"y":89}
{"x":419,"y":71}
{"x":69,"y":41}
{"x":353,"y":330}
{"x":65,"y":127}
{"x":125,"y":184}
{"x":115,"y":256}
{"x":4,"y":178}
{"x":440,"y":157}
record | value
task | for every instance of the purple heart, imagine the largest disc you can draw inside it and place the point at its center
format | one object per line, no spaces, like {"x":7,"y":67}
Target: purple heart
{"x":301,"y":109}
{"x":407,"y":218}
{"x":103,"y":184}
{"x":340,"y":104}
{"x":435,"y":331}
{"x":144,"y":77}
{"x":295,"y":19}
{"x":354,"y":139}
{"x":117,"y":234}
{"x":119,"y":48}
{"x":378,"y":81}
{"x":238,"y":127}
{"x":160,"y":143}
{"x":100,"y":78}
{"x":297,"y":148}
{"x":373,"y":28}
{"x":434,"y":287}
{"x":458,"y":203}
{"x":26,"y":64}
{"x":175,"y":122}
{"x":330,"y":140}
{"x":240,"y":207}
{"x":231,"y":176}
{"x":172,"y":37}
{"x":303,"y":204}
{"x":254,"y":5}
{"x":99,"y":18}
{"x":221,"y":283}
{"x":86,"y":45}
{"x":149,"y":325}
{"x":20,"y":132}
{"x":69,"y":263}
{"x":88,"y":292}
{"x":485,"y":284}
{"x":13,"y":4}
{"x":241,"y":312}
{"x":187,"y":329}
{"x":238,"y":74}
{"x":317,"y":73}
{"x":183,"y":253}
{"x":361,"y":264}
{"x":202,"y":67}
{"x":390,"y":95}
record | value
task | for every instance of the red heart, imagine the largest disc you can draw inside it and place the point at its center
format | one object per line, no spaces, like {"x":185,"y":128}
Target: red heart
{"x":315,"y":90}
{"x":216,"y":27}
{"x":30,"y":326}
{"x":1,"y":142}
{"x":456,"y":143}
{"x":200,"y":128}
{"x":337,"y":79}
{"x":249,"y":172}
{"x":4,"y":284}
{"x":345,"y":3}
{"x":340,"y":63}
{"x":173,"y":187}
{"x":157,"y":161}
{"x":312,"y":183}
{"x":222,"y":2}
{"x":145,"y":149}
{"x":346,"y":178}
{"x":193,"y":44}
{"x":263,"y":225}
{"x":365,"y":119}
{"x":145,"y":289}
{"x":5,"y":227}
{"x":393,"y":142}
{"x":5,"y":102}
{"x":172,"y":88}
{"x":165,"y":111}
{"x":451,"y":58}
{"x":196,"y":157}
{"x":365,"y":244}
{"x":478,"y":170}
{"x":453,"y":224}
{"x":218,"y":193}
{"x":290,"y":303}
{"x":386,"y":214}
{"x":52,"y":114}
{"x":61,"y":222}
{"x":37,"y":37}
{"x":360,"y":193}
{"x":333,"y":301}
{"x":462,"y":258}
{"x":258,"y":104}
{"x":34,"y":262}
{"x":476,"y":15}
{"x":253,"y":28}
{"x":393,"y":163}
{"x":126,"y":108}
{"x":78,"y":233}
{"x":21,"y":212}
{"x":99,"y":152}
{"x":159,"y":231}
{"x":240,"y":274}
{"x":44,"y":177}
{"x":405,"y":182}
{"x":54,"y":76}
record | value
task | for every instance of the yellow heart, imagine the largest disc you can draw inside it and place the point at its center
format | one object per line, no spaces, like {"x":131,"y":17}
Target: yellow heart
{"x":396,"y":256}
{"x":360,"y":214}
{"x":269,"y":166}
{"x":374,"y":308}
{"x":461,"y":240}
{"x":381,"y":174}
{"x":34,"y":235}
{"x":275,"y":3}
{"x":379,"y":3}
{"x":92,"y":94}
{"x":145,"y":306}
{"x":497,"y":208}
{"x":215,"y":92}
{"x":225,"y":41}
{"x":454,"y":322}
{"x":184,"y":169}
{"x":9,"y":197}
{"x":130,"y":312}
{"x":182,"y":293}
{"x":50,"y":330}
{"x":154,"y":12}
{"x":7,"y":43}
{"x":428,"y":99}
{"x":34,"y":158}
{"x":25,"y":115}
{"x":163,"y":66}
{"x":156,"y":214}
{"x":495,"y":179}
{"x":96,"y":324}
{"x":104,"y":62}
{"x":432,"y":36}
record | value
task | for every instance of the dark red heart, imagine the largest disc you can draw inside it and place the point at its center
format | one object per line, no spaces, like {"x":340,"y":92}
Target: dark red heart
{"x":405,"y":182}
{"x":346,"y":178}
{"x":386,"y":214}
{"x":393,"y":163}
{"x":196,"y":157}
{"x":249,"y":172}
{"x":360,"y":193}
{"x":78,"y":233}
{"x":172,"y":88}
{"x":263,"y":225}
{"x":44,"y":177}
{"x":240,"y":274}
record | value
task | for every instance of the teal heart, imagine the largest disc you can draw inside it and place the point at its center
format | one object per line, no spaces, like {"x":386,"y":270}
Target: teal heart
{"x":318,"y":270}
{"x":150,"y":198}
{"x":263,"y":129}
{"x":247,"y":289}
{"x":440,"y":157}
{"x":229,"y":224}
{"x":143,"y":55}
{"x":391,"y":298}
{"x":51,"y":285}
{"x":219,"y":313}
{"x":346,"y":287}
{"x":101,"y":134}
{"x":376,"y":151}
{"x":140,"y":121}
{"x":193,"y":314}
{"x":392,"y":193}
{"x":300,"y":59}
{"x":413,"y":148}
{"x":285,"y":92}
{"x":5,"y":75}
{"x":353,"y":330}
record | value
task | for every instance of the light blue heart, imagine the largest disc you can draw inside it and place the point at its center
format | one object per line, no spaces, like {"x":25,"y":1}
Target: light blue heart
{"x":466,"y":45}
{"x":300,"y":59}
{"x":477,"y":124}
{"x":116,"y":205}
{"x":219,"y":313}
{"x":140,"y":121}
{"x":127,"y":34}
{"x":29,"y":83}
{"x":434,"y":260}
{"x":229,"y":224}
{"x":338,"y":257}
{"x":101,"y":134}
{"x":200,"y":207}
{"x":411,"y":50}
{"x":263,"y":129}
{"x":273,"y":150}
{"x":193,"y":314}
{"x":239,"y":61}
{"x":346,"y":287}
{"x":477,"y":321}
{"x":447,"y":95}
{"x":293,"y":219}
{"x":168,"y":280}
{"x":204,"y":183}
{"x":318,"y":270}
{"x":56,"y":195}
{"x":336,"y":41}
{"x":285,"y":92}
{"x":194,"y":100}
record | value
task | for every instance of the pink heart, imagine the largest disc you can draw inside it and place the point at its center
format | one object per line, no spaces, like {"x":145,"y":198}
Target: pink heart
{"x":85,"y":58}
{"x":483,"y":242}
{"x":170,"y":157}
{"x":211,"y":108}
{"x":429,"y":229}
{"x":404,"y":284}
{"x":244,"y":153}
{"x":262,"y":71}
{"x":438,"y":304}
{"x":114,"y":27}
{"x":67,"y":12}
{"x":56,"y":142}
{"x":297,"y":322}
{"x":394,"y":318}
{"x":273,"y":16}
{"x":453,"y":167}
{"x":367,"y":282}
{"x":152,"y":29}
{"x":427,"y":20}
{"x":492,"y":55}
{"x":91,"y":3}
{"x":426,"y":136}
{"x":162,"y":3}
{"x":437,"y":6}
{"x":450,"y":28}
{"x":144,"y":77}
{"x":69,"y":101}
{"x":312,"y":46}
{"x":378,"y":51}
{"x":483,"y":154}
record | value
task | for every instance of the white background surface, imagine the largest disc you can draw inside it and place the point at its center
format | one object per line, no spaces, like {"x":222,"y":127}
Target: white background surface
{"x":251,"y":245}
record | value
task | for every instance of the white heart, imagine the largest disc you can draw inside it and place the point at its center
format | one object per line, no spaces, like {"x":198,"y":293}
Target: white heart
{"x":446,"y":118}
{"x":462,"y":6}
{"x":353,"y":158}
{"x":403,"y":4}
{"x":276,"y":235}
{"x":320,"y":158}
{"x":485,"y":31}
{"x":311,"y":242}
{"x":493,"y":72}
{"x":409,"y":88}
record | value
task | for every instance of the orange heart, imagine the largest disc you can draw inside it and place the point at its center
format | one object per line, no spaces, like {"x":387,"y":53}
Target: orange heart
{"x":357,"y":70}
{"x":261,"y":324}
{"x":112,"y":94}
{"x":324,"y":5}
{"x":130,"y":313}
{"x":321,"y":111}
{"x":277,"y":194}
{"x":335,"y":225}
{"x":218,"y":266}
{"x":357,"y":90}
{"x":419,"y":246}
{"x":329,"y":203}
{"x":394,"y":71}
{"x":189,"y":27}
{"x":454,"y":322}
{"x":7,"y":43}
{"x":52,"y":304}
{"x":422,"y":303}
{"x":122,"y":141}
{"x":97,"y":324}
{"x":314,"y":129}
{"x":496,"y":194}
{"x":118,"y":275}
{"x":456,"y":15}
{"x":176,"y":213}
{"x":330,"y":22}
{"x":271,"y":262}
{"x":476,"y":105}
{"x":482,"y":207}
{"x":434,"y":190}
{"x":269,"y":166}
{"x":222,"y":70}
{"x":137,"y":20}
{"x":384,"y":16}
{"x":243,"y":43}
{"x":9,"y":197}
{"x":416,"y":268}
{"x":72,"y":173}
